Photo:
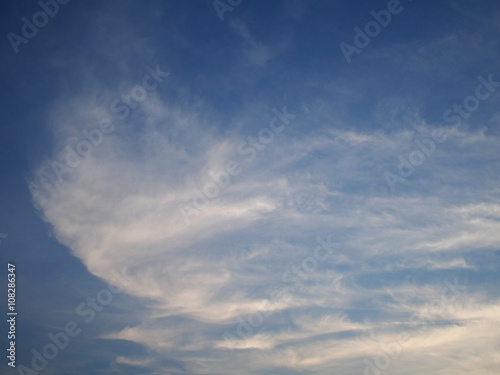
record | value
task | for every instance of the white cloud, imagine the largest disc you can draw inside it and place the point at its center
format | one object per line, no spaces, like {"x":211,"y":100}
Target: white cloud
{"x":120,"y":210}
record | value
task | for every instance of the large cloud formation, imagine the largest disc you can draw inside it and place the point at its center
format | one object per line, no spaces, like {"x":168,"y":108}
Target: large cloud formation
{"x":212,"y":277}
{"x":244,"y":286}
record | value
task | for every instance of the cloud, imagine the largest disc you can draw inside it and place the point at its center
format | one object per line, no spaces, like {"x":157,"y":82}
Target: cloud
{"x":321,"y":176}
{"x":255,"y":52}
{"x":120,"y":210}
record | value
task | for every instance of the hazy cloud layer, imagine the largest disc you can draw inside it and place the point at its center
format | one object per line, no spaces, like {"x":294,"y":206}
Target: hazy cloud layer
{"x":244,"y":286}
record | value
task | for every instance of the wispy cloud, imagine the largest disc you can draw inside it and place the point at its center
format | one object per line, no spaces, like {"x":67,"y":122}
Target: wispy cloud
{"x":228,"y":290}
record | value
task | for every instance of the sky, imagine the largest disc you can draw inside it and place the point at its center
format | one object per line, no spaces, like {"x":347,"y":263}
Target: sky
{"x":250,"y":187}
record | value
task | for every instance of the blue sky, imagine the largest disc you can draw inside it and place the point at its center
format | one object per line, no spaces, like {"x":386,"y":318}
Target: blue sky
{"x":198,"y":187}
